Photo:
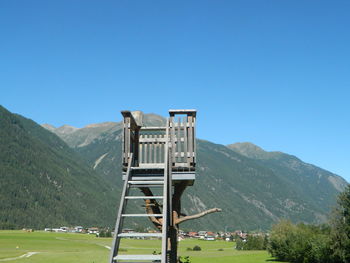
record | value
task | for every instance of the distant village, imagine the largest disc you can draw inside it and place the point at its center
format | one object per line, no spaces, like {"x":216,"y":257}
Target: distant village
{"x":204,"y":235}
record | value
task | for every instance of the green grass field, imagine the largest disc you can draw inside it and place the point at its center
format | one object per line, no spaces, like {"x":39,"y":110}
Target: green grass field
{"x":76,"y":248}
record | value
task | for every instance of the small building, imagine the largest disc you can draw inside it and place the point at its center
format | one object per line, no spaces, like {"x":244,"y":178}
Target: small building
{"x":192,"y":234}
{"x":209,"y":238}
{"x":93,"y":230}
{"x":78,"y":229}
{"x":64,"y":229}
{"x":202,"y":234}
{"x":128,"y":230}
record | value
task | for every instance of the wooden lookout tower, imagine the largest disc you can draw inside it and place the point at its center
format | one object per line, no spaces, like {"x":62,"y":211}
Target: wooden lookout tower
{"x":156,"y":157}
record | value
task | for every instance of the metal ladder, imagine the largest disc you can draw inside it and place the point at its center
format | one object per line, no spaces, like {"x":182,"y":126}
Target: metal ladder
{"x":130,"y":181}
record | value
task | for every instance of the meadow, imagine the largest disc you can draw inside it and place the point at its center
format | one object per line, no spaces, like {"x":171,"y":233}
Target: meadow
{"x":43,"y":247}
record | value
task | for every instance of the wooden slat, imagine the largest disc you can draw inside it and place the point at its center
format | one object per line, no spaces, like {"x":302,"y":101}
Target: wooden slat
{"x":153,"y":128}
{"x":141,"y":150}
{"x":178,"y":136}
{"x":190,"y":137}
{"x":172,"y":134}
{"x":185,"y":138}
{"x":151,"y":148}
{"x":145,"y":146}
{"x":184,"y":111}
{"x":155,"y":149}
{"x":194,"y":140}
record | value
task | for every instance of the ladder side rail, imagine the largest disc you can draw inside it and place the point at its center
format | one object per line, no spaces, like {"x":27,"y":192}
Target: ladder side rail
{"x":165,"y":200}
{"x":117,"y":228}
{"x":170,"y":181}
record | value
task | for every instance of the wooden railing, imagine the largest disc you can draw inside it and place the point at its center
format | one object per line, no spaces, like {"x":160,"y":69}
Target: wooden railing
{"x":148,"y":143}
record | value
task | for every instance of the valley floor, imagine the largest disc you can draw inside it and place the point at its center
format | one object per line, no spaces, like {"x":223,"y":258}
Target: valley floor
{"x":43,"y":247}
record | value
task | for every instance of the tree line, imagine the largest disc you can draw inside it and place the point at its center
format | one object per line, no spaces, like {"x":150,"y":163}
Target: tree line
{"x":301,"y":243}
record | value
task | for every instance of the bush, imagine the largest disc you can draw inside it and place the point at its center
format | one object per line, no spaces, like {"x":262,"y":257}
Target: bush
{"x":189,"y":249}
{"x":252,"y":243}
{"x":197,"y":248}
{"x":220,"y":249}
{"x":109,"y":233}
{"x":185,"y":259}
{"x":299,"y":243}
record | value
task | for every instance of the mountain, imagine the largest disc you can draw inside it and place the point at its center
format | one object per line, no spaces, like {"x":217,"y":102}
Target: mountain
{"x":254,"y":188}
{"x":45,"y":183}
{"x":319,"y":185}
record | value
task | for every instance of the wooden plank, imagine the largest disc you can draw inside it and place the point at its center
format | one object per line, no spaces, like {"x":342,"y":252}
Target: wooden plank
{"x":151,"y":147}
{"x":155,"y":149}
{"x":172,"y":140}
{"x":190,"y":138}
{"x":178,"y":137}
{"x":140,"y":149}
{"x":183,"y":111}
{"x":127,"y":140}
{"x":153,"y":128}
{"x":152,"y":165}
{"x":194,"y":142}
{"x":128,"y":115}
{"x":161,"y":151}
{"x":185,"y":138}
{"x":145,"y":146}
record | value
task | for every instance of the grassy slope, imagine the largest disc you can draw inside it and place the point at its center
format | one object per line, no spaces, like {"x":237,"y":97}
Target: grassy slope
{"x":67,"y":248}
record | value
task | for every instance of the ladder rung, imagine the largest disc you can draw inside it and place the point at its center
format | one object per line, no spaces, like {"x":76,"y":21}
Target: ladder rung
{"x":146,"y":182}
{"x":130,"y":215}
{"x":144,"y":197}
{"x":140,"y":235}
{"x":146,"y":178}
{"x":146,"y":185}
{"x":148,"y":167}
{"x":138,"y":257}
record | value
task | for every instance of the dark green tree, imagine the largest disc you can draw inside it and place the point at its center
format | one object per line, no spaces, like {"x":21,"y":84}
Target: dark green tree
{"x":340,"y":225}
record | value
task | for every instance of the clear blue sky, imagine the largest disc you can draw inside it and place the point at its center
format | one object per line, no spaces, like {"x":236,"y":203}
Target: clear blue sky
{"x":275,"y":73}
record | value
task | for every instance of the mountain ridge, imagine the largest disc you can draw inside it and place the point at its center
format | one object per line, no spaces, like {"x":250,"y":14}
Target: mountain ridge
{"x":46,"y":175}
{"x":253,"y":202}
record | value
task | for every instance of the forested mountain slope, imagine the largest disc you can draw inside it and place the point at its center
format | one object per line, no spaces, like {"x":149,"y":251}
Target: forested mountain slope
{"x":45,"y":183}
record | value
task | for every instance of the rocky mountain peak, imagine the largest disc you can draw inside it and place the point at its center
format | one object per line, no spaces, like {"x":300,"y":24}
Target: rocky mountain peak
{"x":248,"y":149}
{"x":66,"y":129}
